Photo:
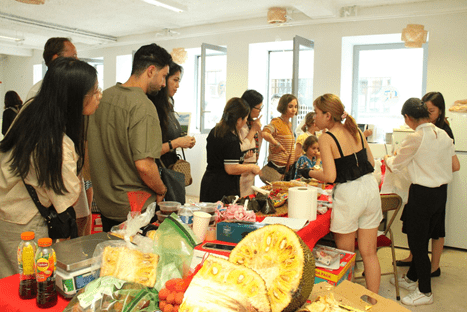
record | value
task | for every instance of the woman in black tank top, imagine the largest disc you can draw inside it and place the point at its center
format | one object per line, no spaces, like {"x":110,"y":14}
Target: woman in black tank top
{"x":347,"y":161}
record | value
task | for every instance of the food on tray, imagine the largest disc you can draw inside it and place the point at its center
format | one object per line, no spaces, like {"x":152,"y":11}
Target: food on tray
{"x":458,"y":108}
{"x":224,"y":286}
{"x":284,"y":261}
{"x":326,"y":304}
{"x":285,"y":185}
{"x":130,"y":265}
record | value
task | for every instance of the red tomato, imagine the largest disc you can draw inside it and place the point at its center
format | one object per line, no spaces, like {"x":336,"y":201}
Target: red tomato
{"x":171,"y":297}
{"x":170,"y":284}
{"x":180,"y":286}
{"x":163,"y":294}
{"x":162,"y":304}
{"x":179,"y":298}
{"x":168,"y":308}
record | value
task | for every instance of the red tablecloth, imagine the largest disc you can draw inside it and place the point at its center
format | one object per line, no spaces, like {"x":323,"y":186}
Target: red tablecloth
{"x":316,"y":229}
{"x":11,"y":302}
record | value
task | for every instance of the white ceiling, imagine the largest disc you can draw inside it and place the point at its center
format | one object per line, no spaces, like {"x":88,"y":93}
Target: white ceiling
{"x":95,"y":23}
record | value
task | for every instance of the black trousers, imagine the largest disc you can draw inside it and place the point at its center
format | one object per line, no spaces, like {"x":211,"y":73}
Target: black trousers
{"x":422,"y":214}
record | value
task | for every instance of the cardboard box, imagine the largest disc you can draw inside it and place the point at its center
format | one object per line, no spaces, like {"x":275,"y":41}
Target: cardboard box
{"x":351,"y":294}
{"x":234,"y":232}
{"x":344,"y":272}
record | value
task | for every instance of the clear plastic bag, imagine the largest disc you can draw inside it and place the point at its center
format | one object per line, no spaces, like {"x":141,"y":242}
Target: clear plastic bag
{"x":111,"y":294}
{"x":135,"y":221}
{"x":174,"y":243}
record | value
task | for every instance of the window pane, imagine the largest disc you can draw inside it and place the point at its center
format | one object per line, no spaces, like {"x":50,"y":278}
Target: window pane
{"x":215,"y":87}
{"x":280,"y":79}
{"x":386,"y":79}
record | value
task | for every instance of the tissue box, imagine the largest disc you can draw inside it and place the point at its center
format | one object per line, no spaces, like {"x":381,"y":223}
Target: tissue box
{"x":234,"y":232}
{"x":344,"y":272}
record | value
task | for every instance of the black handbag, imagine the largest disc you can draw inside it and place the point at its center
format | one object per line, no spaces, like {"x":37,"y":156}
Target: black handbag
{"x":60,"y":225}
{"x":175,"y":183}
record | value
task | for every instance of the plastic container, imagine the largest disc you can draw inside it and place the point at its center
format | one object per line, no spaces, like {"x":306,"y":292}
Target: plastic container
{"x":46,"y":262}
{"x":186,"y":215}
{"x":26,"y":264}
{"x":160,"y":216}
{"x":207,"y":207}
{"x":167,"y":207}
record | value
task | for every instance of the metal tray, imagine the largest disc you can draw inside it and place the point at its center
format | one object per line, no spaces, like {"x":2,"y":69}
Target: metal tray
{"x":75,"y":254}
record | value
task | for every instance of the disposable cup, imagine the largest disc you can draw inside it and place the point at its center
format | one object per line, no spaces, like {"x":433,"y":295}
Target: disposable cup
{"x":201,"y":224}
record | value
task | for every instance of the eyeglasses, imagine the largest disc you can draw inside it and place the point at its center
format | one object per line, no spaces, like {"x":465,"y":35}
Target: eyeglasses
{"x":261,"y":108}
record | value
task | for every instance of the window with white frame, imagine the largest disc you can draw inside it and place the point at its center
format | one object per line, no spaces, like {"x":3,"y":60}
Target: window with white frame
{"x":383,"y":75}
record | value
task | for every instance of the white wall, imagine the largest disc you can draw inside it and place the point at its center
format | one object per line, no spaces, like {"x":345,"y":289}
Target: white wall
{"x":447,"y":65}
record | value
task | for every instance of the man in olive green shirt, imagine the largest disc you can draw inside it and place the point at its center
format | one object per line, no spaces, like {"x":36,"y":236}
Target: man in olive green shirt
{"x":124,"y":138}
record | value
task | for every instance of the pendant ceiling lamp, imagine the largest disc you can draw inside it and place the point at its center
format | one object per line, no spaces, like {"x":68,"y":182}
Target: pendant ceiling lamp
{"x":179,"y":55}
{"x":414,"y":36}
{"x":277,"y":15}
{"x":32,"y":1}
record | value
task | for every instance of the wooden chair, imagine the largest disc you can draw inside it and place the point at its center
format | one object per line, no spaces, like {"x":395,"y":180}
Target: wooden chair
{"x":389,"y":202}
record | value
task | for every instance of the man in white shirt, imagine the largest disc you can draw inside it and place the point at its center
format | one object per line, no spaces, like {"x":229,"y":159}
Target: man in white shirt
{"x":54,"y":47}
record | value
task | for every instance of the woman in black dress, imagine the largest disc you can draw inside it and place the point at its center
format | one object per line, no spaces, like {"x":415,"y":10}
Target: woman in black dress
{"x":224,"y":157}
{"x":12,"y":106}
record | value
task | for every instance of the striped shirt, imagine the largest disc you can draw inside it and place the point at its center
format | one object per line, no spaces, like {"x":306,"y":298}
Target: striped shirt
{"x":281,"y":132}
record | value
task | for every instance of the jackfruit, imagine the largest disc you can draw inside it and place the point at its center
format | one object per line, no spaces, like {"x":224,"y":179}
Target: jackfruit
{"x":223,"y":286}
{"x":283,"y":260}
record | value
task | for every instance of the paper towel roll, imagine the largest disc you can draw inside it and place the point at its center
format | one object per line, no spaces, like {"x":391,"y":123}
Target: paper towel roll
{"x":302,"y":203}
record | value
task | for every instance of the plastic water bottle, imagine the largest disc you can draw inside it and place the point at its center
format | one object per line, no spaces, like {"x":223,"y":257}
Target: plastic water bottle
{"x":186,"y":215}
{"x":46,"y":262}
{"x":27,"y":277}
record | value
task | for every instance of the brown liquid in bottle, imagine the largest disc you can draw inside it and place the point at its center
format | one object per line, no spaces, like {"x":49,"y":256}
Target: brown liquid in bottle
{"x":46,"y":294}
{"x":27,"y":289}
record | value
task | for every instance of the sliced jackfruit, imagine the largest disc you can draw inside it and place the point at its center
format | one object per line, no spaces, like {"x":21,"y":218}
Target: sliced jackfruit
{"x":283,"y":260}
{"x":223,"y":286}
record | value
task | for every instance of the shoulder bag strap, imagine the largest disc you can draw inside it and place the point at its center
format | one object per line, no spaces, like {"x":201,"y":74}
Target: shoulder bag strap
{"x":32,"y":192}
{"x":183,"y":152}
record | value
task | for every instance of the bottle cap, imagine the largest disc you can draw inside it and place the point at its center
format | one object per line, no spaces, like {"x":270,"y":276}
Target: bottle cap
{"x":27,"y":235}
{"x":44,"y":242}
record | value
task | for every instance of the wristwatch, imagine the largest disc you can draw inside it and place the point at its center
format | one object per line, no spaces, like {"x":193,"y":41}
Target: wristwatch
{"x":171,"y":148}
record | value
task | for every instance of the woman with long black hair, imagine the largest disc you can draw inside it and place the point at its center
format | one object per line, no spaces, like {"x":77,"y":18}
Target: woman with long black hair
{"x":44,"y":148}
{"x":224,"y":156}
{"x":172,"y":134}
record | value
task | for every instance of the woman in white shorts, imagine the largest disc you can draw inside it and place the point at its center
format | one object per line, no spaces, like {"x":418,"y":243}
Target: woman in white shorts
{"x":348,"y":162}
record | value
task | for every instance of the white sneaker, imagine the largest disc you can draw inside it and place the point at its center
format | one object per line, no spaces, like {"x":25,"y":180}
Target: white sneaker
{"x":417,"y":298}
{"x":404,"y":282}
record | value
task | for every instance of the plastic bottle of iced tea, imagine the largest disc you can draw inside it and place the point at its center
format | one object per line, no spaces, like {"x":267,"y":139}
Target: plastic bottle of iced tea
{"x":26,"y":264}
{"x":45,"y":274}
